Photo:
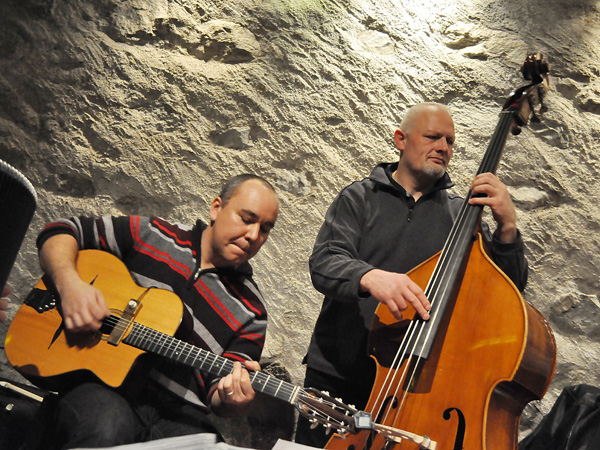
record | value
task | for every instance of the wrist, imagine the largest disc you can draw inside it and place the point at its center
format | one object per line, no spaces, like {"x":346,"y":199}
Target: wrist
{"x":506,"y":233}
{"x":65,"y":277}
{"x":365,"y":281}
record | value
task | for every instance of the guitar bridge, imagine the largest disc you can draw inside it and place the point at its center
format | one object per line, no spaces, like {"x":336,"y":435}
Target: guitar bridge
{"x":126,"y":319}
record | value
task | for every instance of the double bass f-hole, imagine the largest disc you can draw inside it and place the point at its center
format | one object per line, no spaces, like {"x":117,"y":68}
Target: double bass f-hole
{"x":460,"y":429}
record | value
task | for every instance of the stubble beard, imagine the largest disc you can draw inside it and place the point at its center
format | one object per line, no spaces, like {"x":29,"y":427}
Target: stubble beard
{"x":432,"y":174}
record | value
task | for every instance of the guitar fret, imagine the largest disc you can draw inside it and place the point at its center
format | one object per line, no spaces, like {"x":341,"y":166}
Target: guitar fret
{"x":176,"y":353}
{"x":258,"y":384}
{"x":161,"y":338}
{"x":147,"y":335}
{"x":190,"y":350}
{"x":278,"y":387}
{"x":197,"y":354}
{"x":134,"y":337}
{"x":158,"y":348}
{"x":211,"y":365}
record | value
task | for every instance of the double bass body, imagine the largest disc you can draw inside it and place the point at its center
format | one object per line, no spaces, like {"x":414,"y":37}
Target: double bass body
{"x":492,"y":355}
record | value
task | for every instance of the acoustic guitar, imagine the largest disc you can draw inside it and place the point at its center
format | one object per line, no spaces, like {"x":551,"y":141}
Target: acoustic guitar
{"x":142,"y":320}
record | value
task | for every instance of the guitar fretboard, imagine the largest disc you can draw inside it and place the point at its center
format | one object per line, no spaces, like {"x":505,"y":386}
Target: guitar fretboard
{"x":146,"y":338}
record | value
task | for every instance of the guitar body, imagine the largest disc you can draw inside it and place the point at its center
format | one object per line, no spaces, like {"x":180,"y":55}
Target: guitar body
{"x":40,"y":349}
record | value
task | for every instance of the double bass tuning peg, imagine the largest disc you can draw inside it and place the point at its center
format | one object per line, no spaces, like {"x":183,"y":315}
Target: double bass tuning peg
{"x":535,"y":67}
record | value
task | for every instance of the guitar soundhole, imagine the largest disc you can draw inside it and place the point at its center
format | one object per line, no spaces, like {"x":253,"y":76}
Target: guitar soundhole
{"x":107,"y":328}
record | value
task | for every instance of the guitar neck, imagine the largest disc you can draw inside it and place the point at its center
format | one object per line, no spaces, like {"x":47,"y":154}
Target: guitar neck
{"x":162,"y":344}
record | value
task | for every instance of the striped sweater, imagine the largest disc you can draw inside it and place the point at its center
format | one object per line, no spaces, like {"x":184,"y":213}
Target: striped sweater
{"x":224,"y":311}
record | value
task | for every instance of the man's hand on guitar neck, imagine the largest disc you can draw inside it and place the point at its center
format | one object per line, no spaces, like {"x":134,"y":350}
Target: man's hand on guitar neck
{"x":234,"y":392}
{"x":82,"y":305}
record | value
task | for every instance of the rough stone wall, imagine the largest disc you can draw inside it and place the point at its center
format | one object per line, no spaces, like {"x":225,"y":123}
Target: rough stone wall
{"x":145,"y":106}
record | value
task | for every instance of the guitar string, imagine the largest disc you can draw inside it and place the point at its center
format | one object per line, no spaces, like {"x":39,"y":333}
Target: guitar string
{"x":153,"y":339}
{"x":186,"y":351}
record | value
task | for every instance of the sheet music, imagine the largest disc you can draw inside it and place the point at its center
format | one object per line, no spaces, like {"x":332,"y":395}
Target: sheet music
{"x":204,"y":441}
{"x":282,"y":444}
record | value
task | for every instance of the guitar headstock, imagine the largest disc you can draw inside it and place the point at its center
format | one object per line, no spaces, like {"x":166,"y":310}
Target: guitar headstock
{"x":322,"y":409}
{"x":523,"y":102}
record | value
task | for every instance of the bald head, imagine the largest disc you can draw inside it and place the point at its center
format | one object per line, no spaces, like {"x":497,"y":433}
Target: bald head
{"x":414,"y":112}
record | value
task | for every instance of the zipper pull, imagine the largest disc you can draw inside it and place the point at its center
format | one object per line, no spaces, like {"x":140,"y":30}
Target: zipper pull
{"x":192,"y":280}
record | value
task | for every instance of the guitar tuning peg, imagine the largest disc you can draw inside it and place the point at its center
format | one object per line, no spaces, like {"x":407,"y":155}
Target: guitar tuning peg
{"x":352,"y":406}
{"x":326,"y":392}
{"x":314,"y":424}
{"x":339,"y":399}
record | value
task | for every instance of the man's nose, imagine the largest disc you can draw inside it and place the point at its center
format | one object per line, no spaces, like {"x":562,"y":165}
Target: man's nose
{"x":443,"y":145}
{"x":252,"y":232}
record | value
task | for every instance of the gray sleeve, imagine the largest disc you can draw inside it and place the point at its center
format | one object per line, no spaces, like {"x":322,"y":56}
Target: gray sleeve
{"x":511,"y":259}
{"x":335,"y":267}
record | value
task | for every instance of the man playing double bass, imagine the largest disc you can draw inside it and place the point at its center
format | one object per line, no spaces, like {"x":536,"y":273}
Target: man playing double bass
{"x":374,"y":232}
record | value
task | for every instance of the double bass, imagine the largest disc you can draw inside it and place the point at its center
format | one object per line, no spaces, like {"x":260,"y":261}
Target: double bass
{"x":461,"y":379}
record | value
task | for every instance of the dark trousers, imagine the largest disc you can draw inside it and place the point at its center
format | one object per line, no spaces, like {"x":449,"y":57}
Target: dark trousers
{"x":355,"y":392}
{"x":572,"y":424}
{"x":92,"y":415}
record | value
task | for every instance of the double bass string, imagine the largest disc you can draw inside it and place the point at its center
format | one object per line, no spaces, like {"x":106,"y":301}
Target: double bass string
{"x":417,"y":327}
{"x":391,"y":376}
{"x":441,"y":280}
{"x":413,"y":334}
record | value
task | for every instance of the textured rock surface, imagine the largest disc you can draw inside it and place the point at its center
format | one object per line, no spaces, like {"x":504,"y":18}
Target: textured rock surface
{"x":118,"y":107}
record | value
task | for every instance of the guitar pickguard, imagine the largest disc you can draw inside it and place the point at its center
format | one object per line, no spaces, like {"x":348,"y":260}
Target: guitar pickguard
{"x":40,"y":300}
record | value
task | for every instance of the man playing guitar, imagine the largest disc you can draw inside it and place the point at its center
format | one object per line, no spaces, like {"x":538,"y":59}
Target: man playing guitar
{"x":207,"y":267}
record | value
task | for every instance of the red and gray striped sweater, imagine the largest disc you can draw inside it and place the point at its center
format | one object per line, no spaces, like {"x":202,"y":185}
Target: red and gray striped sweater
{"x":224,"y":311}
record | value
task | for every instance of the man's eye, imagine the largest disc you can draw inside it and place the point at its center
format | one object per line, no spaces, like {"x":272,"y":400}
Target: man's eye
{"x":246,"y":220}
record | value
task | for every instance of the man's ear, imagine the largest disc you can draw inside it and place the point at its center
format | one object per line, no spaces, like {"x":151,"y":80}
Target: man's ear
{"x":215,"y":207}
{"x":399,"y":139}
